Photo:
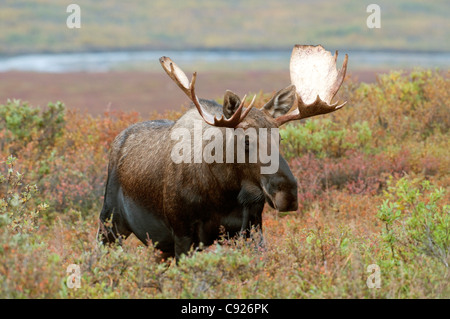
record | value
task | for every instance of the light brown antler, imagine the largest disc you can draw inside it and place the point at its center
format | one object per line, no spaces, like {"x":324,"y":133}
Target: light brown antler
{"x":314,"y":74}
{"x":180,"y":78}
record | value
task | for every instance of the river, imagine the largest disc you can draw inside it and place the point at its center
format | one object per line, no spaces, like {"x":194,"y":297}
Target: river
{"x":210,"y":60}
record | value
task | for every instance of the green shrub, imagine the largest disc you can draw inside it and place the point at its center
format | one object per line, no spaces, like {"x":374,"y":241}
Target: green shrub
{"x":324,"y":138}
{"x":416,"y":220}
{"x":19,"y":209}
{"x":22,"y":124}
{"x":401,"y":105}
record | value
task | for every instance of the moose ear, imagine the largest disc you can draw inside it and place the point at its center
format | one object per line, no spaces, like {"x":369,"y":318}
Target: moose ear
{"x":281,"y":102}
{"x":231,"y":103}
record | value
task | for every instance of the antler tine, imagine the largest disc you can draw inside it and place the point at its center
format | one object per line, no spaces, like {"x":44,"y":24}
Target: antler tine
{"x":175,"y":73}
{"x":341,"y":74}
{"x":248,"y":107}
{"x":180,"y":78}
{"x":209,"y":118}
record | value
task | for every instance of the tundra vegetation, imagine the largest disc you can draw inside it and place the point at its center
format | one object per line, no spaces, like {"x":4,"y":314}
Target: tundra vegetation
{"x":373,"y":188}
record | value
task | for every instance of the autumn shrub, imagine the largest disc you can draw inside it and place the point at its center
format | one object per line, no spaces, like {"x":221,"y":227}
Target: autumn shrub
{"x":24,"y":266}
{"x":400,"y":106}
{"x":373,"y":190}
{"x":355,"y":173}
{"x":63,"y":152}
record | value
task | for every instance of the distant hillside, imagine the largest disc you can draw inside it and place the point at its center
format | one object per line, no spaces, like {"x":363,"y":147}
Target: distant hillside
{"x":40,"y":25}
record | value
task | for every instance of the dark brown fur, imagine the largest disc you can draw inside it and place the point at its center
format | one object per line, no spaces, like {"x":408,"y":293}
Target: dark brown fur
{"x":178,"y":206}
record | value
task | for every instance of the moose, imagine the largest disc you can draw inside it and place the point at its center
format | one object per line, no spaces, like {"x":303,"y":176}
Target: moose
{"x":180,"y":205}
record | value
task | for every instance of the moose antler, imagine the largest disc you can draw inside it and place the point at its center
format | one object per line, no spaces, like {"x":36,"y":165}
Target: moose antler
{"x":180,"y":78}
{"x":314,"y":74}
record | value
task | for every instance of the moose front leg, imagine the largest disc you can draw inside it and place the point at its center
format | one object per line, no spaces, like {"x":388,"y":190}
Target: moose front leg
{"x":252,"y":200}
{"x":245,"y":220}
{"x":252,"y":218}
{"x":182,"y":245}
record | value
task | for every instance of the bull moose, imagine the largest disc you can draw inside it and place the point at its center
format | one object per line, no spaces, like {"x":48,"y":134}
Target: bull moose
{"x":180,"y":204}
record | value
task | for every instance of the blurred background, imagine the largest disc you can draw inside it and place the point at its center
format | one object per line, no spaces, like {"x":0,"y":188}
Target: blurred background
{"x":111,"y":62}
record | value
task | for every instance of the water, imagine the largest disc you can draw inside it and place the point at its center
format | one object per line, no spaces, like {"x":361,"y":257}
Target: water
{"x":201,"y":60}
